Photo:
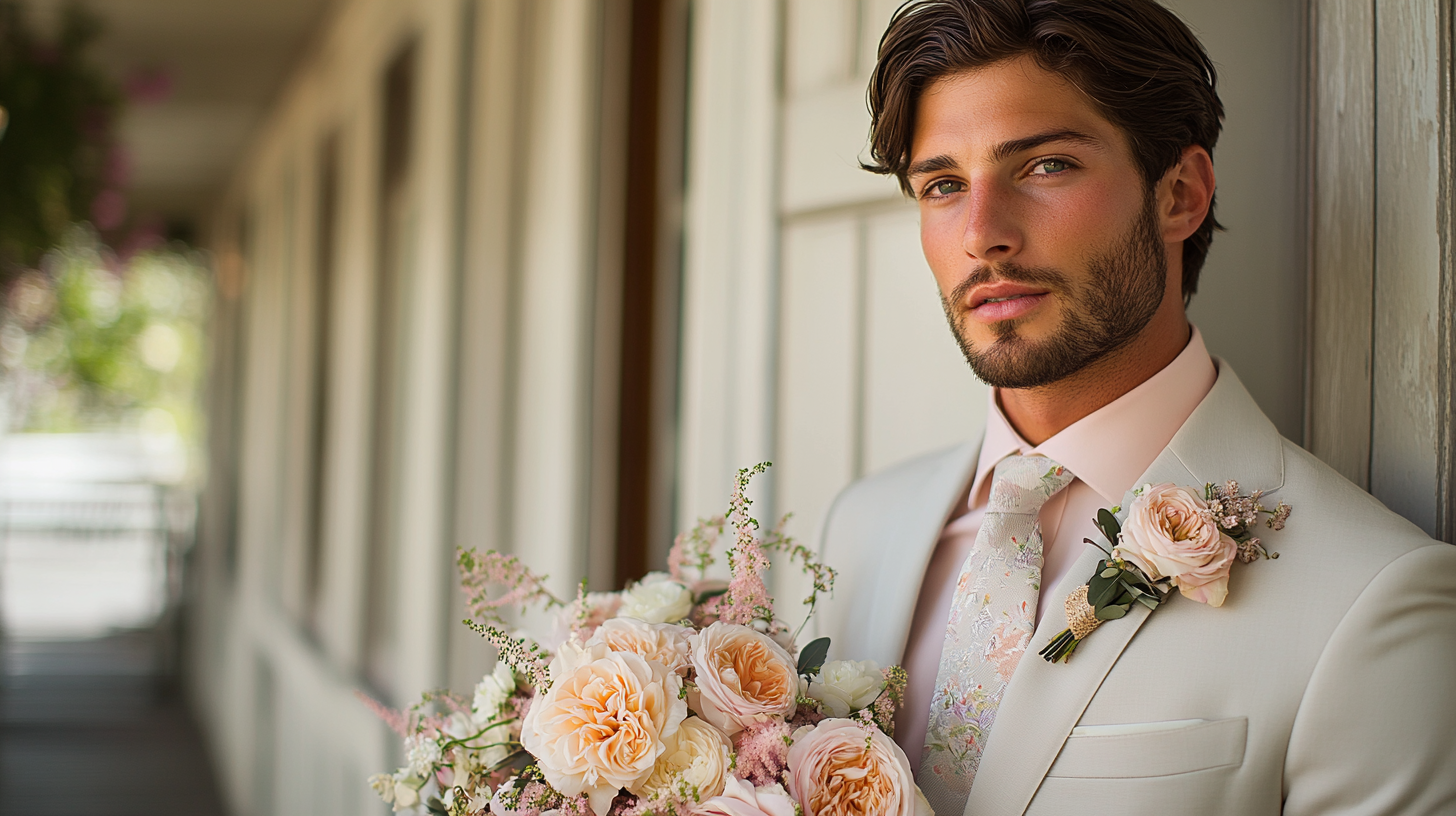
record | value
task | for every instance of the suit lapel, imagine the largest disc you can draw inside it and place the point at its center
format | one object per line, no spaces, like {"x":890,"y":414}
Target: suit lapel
{"x":905,"y":549}
{"x":1227,"y":436}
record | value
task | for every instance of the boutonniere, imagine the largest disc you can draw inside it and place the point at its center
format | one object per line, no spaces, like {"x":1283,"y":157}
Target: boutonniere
{"x":1170,"y":539}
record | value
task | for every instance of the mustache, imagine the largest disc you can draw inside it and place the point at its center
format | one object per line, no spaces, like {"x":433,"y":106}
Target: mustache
{"x":1045,"y":276}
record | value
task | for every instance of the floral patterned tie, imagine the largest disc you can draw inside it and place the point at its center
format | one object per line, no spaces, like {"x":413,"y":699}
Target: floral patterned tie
{"x":990,"y":624}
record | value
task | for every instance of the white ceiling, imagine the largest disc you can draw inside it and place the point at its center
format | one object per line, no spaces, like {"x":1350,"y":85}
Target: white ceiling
{"x":226,"y":59}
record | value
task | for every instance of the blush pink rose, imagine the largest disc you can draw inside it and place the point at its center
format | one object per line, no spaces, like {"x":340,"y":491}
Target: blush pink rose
{"x":739,"y":798}
{"x":839,"y":768}
{"x":1169,"y":533}
{"x":743,"y":677}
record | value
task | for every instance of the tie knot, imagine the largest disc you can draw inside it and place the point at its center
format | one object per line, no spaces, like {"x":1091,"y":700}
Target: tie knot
{"x":1023,"y":484}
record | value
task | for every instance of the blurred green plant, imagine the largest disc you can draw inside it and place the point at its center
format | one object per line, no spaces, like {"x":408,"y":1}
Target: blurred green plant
{"x":58,"y":157}
{"x":92,"y":342}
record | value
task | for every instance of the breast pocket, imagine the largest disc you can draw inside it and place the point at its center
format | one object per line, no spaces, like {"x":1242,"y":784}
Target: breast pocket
{"x":1143,"y":750}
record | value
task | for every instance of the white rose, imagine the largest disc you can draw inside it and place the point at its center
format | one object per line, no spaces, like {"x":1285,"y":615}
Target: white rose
{"x":492,"y":692}
{"x":700,"y":756}
{"x":656,"y":599}
{"x":667,"y":643}
{"x":845,"y":686}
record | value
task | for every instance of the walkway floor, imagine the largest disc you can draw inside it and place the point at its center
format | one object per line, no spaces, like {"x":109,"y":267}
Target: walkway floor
{"x":88,"y":728}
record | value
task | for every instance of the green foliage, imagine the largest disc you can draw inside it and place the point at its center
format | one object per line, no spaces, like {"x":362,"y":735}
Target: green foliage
{"x":57,"y":145}
{"x":92,"y":343}
{"x":811,"y":659}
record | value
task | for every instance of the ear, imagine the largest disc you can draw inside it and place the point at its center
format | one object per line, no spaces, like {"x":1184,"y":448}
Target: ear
{"x":1185,"y":193}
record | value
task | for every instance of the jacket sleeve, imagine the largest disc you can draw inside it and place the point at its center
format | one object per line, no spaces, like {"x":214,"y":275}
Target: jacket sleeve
{"x":1376,"y":730}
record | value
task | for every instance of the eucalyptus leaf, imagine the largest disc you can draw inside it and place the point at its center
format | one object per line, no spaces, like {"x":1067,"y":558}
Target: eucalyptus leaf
{"x":1109,"y":525}
{"x":811,"y":659}
{"x":1111,"y":612}
{"x":1110,"y":572}
{"x":1148,"y":601}
{"x":1101,"y":591}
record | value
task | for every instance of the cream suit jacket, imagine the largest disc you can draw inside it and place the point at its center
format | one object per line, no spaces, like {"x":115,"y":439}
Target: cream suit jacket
{"x":1325,"y":684}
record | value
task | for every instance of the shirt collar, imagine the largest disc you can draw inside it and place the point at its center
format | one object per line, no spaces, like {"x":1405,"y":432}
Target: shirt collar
{"x":1110,"y":447}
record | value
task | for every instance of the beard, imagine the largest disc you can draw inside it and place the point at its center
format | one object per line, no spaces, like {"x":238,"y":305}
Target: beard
{"x":1122,"y":290}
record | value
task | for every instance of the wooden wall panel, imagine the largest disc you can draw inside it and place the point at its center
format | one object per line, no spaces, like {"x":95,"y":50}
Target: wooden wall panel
{"x":1404,"y":424}
{"x":1343,"y":245}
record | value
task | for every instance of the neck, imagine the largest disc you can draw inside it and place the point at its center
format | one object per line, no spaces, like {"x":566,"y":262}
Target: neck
{"x":1042,"y":412}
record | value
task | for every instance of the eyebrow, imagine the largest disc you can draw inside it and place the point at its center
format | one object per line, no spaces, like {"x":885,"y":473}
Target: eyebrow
{"x":935,"y":164}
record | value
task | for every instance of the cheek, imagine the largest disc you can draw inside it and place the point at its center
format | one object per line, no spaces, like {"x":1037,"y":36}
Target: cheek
{"x":1075,"y":221}
{"x":940,"y":239}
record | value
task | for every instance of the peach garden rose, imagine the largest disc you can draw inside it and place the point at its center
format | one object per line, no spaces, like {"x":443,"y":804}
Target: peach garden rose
{"x":1169,"y":533}
{"x":838,"y":768}
{"x":604,"y":723}
{"x":743,"y":677}
{"x":667,"y":643}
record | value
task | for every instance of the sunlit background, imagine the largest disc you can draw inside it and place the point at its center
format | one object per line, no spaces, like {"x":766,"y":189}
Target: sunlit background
{"x":297,"y":296}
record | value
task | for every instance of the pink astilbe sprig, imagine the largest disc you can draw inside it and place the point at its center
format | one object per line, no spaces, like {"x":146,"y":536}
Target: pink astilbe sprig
{"x":821,"y":575}
{"x":400,"y":722}
{"x":694,"y":548}
{"x":522,"y":654}
{"x":762,"y":751}
{"x":481,"y":571}
{"x":747,"y":598}
{"x":881,"y":713}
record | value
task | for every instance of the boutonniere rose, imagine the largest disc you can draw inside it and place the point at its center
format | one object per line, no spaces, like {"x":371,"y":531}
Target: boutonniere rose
{"x":1170,"y":533}
{"x":1170,"y":539}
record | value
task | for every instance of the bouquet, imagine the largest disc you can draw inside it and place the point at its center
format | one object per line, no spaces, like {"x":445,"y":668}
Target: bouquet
{"x":677,"y":695}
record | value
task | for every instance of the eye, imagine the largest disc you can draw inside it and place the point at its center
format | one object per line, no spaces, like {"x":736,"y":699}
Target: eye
{"x":1050,"y":167}
{"x":942,"y":188}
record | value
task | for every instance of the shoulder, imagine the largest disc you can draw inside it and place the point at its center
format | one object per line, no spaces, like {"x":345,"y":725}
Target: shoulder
{"x":904,"y":483}
{"x":1342,"y":521}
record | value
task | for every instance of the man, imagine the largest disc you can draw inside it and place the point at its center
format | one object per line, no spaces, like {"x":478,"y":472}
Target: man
{"x":1060,"y":152}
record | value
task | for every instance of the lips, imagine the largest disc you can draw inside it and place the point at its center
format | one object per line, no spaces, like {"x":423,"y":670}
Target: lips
{"x":1003,"y":300}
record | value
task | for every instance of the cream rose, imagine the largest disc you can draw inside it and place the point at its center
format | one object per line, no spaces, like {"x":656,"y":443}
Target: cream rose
{"x":1169,"y":534}
{"x":834,"y":770}
{"x":605,"y":721}
{"x":667,"y":643}
{"x":742,"y":799}
{"x":700,"y":756}
{"x":845,"y":686}
{"x":656,"y":599}
{"x":743,"y":677}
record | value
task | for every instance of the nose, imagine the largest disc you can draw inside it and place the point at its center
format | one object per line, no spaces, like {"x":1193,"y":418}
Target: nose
{"x":991,"y":232}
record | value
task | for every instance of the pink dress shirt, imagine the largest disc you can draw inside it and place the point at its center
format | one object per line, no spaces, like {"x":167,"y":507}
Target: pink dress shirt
{"x":1107,"y":450}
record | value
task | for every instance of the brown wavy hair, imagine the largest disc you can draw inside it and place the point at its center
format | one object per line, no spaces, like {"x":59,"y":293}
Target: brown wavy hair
{"x":1135,"y":60}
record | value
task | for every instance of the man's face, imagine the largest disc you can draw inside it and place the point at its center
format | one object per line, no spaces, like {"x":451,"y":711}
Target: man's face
{"x":1042,"y":235}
